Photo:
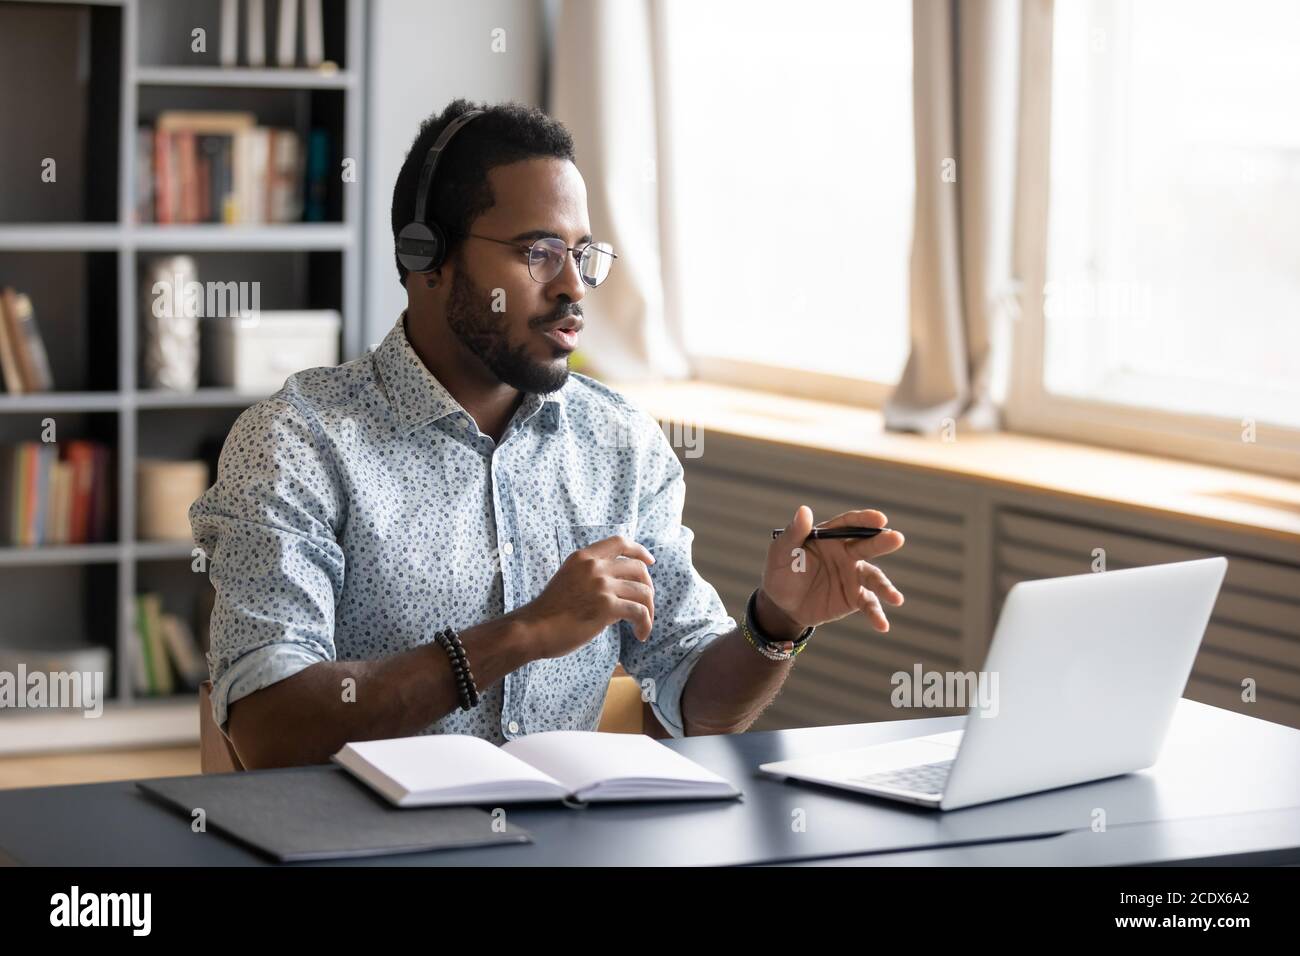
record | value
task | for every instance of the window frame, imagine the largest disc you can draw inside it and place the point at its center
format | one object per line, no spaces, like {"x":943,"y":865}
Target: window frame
{"x":1030,"y":408}
{"x":715,"y":369}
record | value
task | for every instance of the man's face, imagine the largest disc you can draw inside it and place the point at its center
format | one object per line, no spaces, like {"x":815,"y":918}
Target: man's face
{"x":494,"y":306}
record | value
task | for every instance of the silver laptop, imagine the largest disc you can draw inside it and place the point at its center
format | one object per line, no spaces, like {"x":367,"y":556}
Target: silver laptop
{"x":1081,"y":682}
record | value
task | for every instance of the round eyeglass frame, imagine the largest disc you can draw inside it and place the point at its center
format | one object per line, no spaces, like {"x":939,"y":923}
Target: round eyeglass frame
{"x":558,"y":248}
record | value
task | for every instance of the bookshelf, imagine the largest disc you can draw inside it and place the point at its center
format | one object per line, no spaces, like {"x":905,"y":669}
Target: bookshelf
{"x":82,"y":258}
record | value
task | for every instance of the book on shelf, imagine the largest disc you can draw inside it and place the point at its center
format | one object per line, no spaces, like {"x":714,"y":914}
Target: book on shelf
{"x":255,"y":44}
{"x":284,"y":177}
{"x":255,"y":49}
{"x":144,"y":175}
{"x":148,"y":629}
{"x":229,"y":51}
{"x":313,"y":33}
{"x":317,"y":176}
{"x":165,"y":655}
{"x":24,"y":364}
{"x":286,"y":34}
{"x":184,"y":652}
{"x":53,"y":494}
{"x":215,"y":166}
{"x":9,"y":369}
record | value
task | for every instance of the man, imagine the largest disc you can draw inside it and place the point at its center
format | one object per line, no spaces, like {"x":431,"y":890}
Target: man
{"x":461,"y":477}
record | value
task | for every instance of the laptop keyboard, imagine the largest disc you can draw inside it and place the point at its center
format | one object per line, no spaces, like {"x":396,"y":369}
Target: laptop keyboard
{"x":922,"y":778}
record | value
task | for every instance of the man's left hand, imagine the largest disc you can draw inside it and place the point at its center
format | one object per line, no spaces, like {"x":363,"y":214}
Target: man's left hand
{"x":832,"y":578}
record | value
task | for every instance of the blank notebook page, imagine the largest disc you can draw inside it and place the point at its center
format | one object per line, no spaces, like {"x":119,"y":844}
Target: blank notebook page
{"x":444,"y":762}
{"x":582,"y":758}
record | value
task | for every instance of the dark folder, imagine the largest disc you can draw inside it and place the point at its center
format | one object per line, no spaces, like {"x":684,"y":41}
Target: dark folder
{"x":322,"y":813}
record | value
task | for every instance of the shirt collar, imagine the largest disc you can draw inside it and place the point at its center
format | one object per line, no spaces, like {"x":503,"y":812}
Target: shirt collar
{"x":418,"y":397}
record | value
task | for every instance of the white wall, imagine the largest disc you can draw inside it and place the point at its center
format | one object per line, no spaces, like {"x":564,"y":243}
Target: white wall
{"x":422,"y":55}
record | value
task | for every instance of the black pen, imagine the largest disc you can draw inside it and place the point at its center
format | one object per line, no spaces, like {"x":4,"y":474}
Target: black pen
{"x":844,"y":532}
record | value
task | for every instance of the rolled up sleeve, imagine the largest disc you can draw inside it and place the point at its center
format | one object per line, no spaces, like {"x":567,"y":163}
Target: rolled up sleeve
{"x":688,"y":613}
{"x":267,"y":529}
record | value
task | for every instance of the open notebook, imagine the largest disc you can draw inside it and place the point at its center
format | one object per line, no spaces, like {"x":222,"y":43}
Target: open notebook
{"x":439,"y":769}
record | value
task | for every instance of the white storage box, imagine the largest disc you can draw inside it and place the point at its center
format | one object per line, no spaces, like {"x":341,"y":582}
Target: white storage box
{"x":257,"y":353}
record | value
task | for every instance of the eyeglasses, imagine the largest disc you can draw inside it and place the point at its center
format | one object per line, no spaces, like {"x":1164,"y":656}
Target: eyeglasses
{"x":546,"y":258}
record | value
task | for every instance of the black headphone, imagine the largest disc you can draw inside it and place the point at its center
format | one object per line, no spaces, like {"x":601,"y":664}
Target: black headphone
{"x":422,"y":245}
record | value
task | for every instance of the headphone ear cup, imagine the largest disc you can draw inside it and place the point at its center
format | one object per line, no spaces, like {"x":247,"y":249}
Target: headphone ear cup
{"x":421,"y":247}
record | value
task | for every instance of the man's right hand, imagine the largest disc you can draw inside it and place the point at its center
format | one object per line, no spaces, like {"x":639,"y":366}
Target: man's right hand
{"x":595,"y":586}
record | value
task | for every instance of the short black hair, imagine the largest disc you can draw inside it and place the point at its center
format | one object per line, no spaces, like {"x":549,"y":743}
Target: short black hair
{"x":505,"y":133}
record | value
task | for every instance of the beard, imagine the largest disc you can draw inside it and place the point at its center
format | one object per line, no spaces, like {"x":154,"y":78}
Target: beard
{"x":486,"y":334}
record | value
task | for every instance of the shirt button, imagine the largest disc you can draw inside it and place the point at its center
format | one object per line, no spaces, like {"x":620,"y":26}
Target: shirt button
{"x":507,"y":548}
{"x":513,"y":727}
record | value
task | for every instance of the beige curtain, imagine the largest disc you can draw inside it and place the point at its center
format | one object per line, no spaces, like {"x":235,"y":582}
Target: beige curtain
{"x":605,"y":87}
{"x":965,"y":87}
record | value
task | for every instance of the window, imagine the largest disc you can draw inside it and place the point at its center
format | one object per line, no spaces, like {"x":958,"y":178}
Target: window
{"x":1171,"y":290}
{"x":792,"y":181}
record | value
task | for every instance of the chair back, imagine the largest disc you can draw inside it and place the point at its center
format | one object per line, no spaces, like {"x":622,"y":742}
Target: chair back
{"x":216,"y":752}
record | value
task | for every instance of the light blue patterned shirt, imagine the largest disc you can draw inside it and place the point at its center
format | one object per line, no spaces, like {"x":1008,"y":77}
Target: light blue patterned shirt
{"x":359,"y":510}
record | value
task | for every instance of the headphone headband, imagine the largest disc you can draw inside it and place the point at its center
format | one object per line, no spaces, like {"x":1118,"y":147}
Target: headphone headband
{"x":421,"y":245}
{"x":430,"y":166}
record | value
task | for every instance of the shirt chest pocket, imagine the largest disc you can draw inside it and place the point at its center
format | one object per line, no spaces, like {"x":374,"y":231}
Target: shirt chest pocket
{"x":574,"y":537}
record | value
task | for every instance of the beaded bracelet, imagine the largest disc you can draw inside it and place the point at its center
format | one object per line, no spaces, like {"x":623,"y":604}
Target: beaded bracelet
{"x":449,"y":640}
{"x":771,"y":649}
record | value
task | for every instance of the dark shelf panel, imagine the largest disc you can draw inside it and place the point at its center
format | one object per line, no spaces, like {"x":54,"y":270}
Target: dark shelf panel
{"x":71,"y":54}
